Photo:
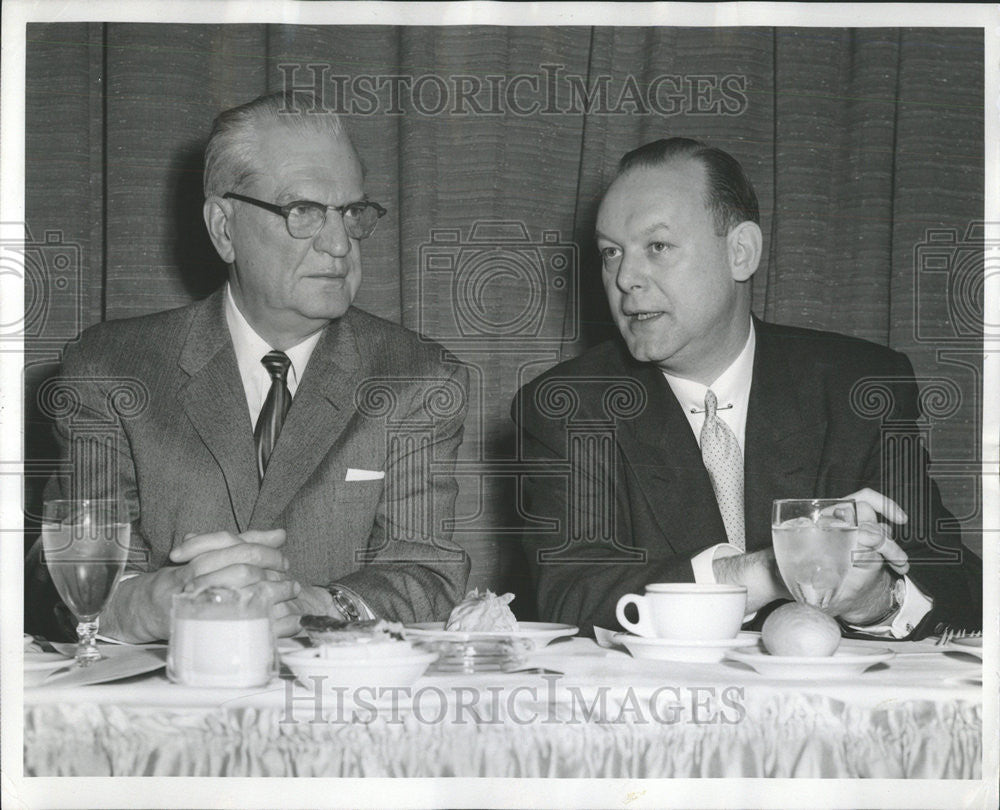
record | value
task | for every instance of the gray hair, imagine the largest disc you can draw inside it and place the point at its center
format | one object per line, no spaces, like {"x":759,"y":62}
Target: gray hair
{"x":231,"y":152}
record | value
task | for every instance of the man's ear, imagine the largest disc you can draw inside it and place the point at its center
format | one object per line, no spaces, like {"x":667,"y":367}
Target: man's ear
{"x":217,"y":213}
{"x":745,"y":243}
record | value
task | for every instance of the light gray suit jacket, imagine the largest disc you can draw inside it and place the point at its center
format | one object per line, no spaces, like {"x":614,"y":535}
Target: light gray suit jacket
{"x":156,"y":407}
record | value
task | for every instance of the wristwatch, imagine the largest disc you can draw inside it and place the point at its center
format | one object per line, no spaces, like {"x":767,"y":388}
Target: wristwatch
{"x":343,"y":604}
{"x":896,"y":595}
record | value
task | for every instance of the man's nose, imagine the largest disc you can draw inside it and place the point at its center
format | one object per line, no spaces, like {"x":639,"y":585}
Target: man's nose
{"x":631,"y":275}
{"x":332,"y":237}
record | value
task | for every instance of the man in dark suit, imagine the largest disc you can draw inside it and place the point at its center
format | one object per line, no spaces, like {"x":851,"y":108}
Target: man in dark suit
{"x":274,"y":436}
{"x":668,"y":446}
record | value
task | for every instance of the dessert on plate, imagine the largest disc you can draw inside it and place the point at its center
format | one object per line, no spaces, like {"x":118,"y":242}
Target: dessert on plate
{"x":483,"y":613}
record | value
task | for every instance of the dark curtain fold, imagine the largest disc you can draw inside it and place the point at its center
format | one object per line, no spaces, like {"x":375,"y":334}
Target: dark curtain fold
{"x":859,"y":142}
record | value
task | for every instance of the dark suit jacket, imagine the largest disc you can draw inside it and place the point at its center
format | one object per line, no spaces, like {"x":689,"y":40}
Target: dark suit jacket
{"x":805,"y":437}
{"x":374,"y":397}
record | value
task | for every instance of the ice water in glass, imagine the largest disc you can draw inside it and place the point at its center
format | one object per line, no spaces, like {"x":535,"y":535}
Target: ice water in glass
{"x":813,"y":543}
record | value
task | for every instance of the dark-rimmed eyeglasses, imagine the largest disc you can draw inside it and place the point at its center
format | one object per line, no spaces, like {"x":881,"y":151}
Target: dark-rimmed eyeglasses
{"x":305,"y":218}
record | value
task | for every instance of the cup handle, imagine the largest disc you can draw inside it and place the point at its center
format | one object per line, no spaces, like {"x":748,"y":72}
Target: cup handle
{"x":640,"y":628}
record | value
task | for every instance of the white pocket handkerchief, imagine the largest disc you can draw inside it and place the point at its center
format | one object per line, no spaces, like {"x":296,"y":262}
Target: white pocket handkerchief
{"x":364,"y":475}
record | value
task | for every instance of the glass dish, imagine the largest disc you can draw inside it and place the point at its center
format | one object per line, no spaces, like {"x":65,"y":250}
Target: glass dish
{"x":477,"y":655}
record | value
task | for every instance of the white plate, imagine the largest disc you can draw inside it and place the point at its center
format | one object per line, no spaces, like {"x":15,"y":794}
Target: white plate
{"x":539,"y":632}
{"x":668,"y":649}
{"x":294,"y":644}
{"x":35,"y":661}
{"x":37,"y":665}
{"x":975,"y":643}
{"x":848,"y":660}
{"x":120,"y":661}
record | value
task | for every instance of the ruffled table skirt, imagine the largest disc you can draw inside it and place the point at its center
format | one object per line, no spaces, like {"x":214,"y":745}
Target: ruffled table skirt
{"x":772,"y":735}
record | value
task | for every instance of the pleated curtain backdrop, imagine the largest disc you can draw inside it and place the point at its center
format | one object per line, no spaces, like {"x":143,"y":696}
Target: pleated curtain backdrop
{"x":858,"y":141}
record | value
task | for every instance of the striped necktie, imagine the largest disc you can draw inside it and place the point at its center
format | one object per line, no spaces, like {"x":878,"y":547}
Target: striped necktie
{"x":272,"y":415}
{"x":722,"y":457}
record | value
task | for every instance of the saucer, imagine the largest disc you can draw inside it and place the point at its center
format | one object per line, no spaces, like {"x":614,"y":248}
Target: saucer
{"x":685,"y":650}
{"x":847,"y":661}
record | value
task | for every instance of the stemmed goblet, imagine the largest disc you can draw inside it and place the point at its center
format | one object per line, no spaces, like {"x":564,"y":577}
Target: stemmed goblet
{"x":86,"y":544}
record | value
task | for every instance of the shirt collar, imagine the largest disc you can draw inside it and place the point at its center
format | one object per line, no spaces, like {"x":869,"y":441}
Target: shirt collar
{"x":251,"y":347}
{"x":730,"y":386}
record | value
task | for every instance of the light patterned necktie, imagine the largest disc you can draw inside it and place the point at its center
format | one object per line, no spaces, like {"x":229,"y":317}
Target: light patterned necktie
{"x":272,"y":415}
{"x":722,"y":457}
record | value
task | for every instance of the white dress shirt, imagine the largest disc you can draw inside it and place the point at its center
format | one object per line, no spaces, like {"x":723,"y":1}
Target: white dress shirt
{"x":251,"y":347}
{"x":732,"y":388}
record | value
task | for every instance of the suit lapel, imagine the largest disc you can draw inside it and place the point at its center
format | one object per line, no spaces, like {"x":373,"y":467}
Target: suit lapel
{"x":666,"y":459}
{"x":321,"y":408}
{"x":784,"y":434}
{"x":215,"y":402}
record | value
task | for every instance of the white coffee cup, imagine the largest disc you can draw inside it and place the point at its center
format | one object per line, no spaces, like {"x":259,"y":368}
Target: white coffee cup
{"x":685,"y":611}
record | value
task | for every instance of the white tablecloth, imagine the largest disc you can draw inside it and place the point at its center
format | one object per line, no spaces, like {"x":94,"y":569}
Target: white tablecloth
{"x":606,"y":714}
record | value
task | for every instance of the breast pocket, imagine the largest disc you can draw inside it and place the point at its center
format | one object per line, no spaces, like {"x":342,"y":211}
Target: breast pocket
{"x":358,"y":490}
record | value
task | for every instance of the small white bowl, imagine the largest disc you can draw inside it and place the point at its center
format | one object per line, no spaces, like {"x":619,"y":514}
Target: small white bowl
{"x":347,"y":668}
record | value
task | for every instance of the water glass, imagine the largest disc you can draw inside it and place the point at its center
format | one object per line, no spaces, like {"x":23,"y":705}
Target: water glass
{"x":813,"y":543}
{"x":85,"y":543}
{"x":222,"y":637}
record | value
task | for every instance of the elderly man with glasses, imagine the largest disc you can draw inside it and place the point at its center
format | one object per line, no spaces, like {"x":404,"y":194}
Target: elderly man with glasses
{"x":286,"y":441}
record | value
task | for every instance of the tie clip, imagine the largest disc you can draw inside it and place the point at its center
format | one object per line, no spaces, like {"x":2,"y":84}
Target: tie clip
{"x":717,"y":409}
